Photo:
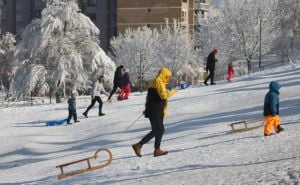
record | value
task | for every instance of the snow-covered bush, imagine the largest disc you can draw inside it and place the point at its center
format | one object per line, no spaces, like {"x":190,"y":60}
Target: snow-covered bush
{"x":145,"y":50}
{"x":60,"y":52}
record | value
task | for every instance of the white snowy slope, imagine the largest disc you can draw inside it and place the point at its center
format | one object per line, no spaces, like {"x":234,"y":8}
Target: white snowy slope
{"x":201,"y":149}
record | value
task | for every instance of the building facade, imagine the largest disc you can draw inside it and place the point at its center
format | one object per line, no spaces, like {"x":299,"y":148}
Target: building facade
{"x":153,"y":14}
{"x":103,"y":13}
{"x":202,"y":8}
{"x":17,"y":14}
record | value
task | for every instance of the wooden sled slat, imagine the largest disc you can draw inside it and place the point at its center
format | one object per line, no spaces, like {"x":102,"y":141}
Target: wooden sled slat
{"x":89,"y":166}
{"x":246,"y":125}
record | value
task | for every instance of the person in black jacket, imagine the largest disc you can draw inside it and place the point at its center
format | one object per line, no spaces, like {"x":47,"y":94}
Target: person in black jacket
{"x":210,"y":66}
{"x":125,"y":87}
{"x":117,"y":81}
{"x":155,"y":110}
{"x":72,"y":108}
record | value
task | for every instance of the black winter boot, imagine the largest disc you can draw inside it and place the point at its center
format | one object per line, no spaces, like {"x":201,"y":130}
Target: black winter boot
{"x":279,"y":128}
{"x":85,"y":114}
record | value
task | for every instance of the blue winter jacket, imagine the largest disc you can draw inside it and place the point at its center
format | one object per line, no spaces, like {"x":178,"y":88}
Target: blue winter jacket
{"x":271,"y":105}
{"x":72,"y":104}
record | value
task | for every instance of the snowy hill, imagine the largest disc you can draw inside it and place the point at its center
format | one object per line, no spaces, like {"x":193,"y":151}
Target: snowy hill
{"x":202,"y":151}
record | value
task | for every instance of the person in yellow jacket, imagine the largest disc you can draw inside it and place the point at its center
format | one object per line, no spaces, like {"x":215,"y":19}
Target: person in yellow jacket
{"x":155,"y":110}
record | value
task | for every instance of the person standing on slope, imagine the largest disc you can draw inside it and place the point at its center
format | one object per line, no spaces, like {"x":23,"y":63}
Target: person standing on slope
{"x":230,"y":72}
{"x":125,"y":89}
{"x":271,"y":109}
{"x":97,"y":90}
{"x":155,"y":110}
{"x":210,"y":66}
{"x":117,"y":81}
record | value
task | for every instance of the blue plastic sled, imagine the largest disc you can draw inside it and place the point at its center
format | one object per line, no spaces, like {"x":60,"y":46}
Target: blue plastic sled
{"x":184,"y":85}
{"x":56,"y":122}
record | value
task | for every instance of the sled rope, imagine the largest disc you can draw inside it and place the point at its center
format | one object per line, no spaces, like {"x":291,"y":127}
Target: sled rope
{"x":88,"y":160}
{"x":133,"y":122}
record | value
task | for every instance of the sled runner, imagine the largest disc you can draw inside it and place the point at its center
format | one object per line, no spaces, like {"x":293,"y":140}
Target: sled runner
{"x":88,"y":160}
{"x":246,"y":125}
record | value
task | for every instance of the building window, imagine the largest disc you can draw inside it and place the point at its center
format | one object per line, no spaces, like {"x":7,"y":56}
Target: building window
{"x":93,"y":17}
{"x":149,"y":10}
{"x":148,"y":25}
{"x":183,"y":15}
{"x":92,"y":2}
{"x":202,"y":14}
{"x":185,"y":1}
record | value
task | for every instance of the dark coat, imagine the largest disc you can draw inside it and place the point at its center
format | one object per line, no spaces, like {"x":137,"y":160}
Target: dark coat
{"x":271,"y":105}
{"x":125,"y":79}
{"x":118,"y":76}
{"x":72,"y":104}
{"x":211,"y":62}
{"x":154,"y":104}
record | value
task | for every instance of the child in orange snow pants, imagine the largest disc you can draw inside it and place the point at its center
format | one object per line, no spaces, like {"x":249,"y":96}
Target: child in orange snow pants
{"x":271,"y":109}
{"x":270,"y":122}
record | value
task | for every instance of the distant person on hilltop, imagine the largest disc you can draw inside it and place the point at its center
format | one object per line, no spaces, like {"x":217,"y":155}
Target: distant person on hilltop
{"x":210,"y":66}
{"x":271,"y":109}
{"x":155,"y":110}
{"x":230,"y":72}
{"x":117,"y":81}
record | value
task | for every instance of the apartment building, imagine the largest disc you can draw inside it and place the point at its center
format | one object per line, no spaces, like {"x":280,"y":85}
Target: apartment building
{"x":104,"y":14}
{"x":153,"y":13}
{"x":17,"y":14}
{"x":202,"y":8}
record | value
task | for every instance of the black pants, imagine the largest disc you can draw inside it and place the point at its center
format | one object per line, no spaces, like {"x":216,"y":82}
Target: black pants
{"x":158,"y":130}
{"x":210,"y":76}
{"x":98,"y":99}
{"x":72,"y":113}
{"x":113,"y":91}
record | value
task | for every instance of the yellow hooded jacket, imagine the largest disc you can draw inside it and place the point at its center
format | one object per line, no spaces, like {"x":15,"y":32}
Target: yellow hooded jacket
{"x":159,"y":85}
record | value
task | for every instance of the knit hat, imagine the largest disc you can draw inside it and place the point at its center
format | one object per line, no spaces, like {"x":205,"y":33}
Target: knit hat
{"x":215,"y":50}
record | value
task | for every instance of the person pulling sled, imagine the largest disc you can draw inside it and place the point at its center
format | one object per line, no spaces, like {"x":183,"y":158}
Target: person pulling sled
{"x":271,"y":109}
{"x":155,"y":110}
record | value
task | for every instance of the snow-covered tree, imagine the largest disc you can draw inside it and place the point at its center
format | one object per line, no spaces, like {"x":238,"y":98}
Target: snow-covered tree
{"x":174,"y":46}
{"x":145,"y":50}
{"x":60,"y":52}
{"x":135,"y":49}
{"x":289,"y":40}
{"x":239,"y":25}
{"x":7,"y":49}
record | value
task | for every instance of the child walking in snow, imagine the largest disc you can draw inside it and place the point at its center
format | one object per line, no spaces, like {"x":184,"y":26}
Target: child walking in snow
{"x":230,"y":72}
{"x":271,"y":109}
{"x":72,"y":108}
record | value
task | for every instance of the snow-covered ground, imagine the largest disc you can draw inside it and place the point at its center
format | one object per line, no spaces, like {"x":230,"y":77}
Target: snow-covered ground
{"x":202,"y":151}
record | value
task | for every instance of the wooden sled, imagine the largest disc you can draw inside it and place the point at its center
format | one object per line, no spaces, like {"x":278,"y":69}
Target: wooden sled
{"x":88,"y":160}
{"x":246,"y":125}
